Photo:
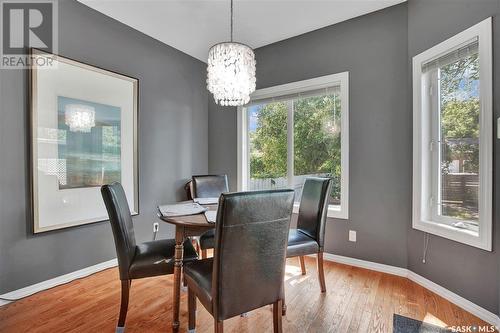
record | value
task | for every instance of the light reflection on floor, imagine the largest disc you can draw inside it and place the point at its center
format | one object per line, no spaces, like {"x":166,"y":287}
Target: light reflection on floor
{"x":431,"y":319}
{"x":293,"y":275}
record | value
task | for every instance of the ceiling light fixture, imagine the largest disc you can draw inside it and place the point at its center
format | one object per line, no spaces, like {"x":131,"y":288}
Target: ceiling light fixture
{"x":231,"y":71}
{"x":79,"y":118}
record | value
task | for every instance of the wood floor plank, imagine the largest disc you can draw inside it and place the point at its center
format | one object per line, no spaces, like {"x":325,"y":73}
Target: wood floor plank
{"x":356,"y":300}
{"x":370,"y":304}
{"x":353,"y":303}
{"x":370,"y":282}
{"x":336,"y":279}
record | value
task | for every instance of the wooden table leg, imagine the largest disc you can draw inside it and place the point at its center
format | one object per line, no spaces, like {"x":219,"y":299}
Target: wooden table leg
{"x":179,"y":254}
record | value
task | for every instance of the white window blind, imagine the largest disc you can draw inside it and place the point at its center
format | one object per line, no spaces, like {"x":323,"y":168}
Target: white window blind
{"x":470,"y":48}
{"x":297,"y":95}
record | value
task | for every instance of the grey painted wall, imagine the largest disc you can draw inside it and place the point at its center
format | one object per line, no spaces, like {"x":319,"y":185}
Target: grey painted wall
{"x":222,"y":141}
{"x":373,"y":48}
{"x":468,"y":271}
{"x":173,"y":128}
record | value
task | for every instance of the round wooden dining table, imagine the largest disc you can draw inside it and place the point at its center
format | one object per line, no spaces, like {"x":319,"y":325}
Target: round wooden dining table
{"x":185,"y":226}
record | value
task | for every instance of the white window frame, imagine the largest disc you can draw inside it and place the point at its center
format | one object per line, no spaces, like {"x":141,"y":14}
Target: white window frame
{"x":341,"y":80}
{"x":422,"y":190}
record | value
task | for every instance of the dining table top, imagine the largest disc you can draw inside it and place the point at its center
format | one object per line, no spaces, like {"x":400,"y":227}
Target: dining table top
{"x":195,"y":220}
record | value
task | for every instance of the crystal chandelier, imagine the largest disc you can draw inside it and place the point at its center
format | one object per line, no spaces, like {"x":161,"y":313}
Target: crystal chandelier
{"x":79,"y":118}
{"x":231,"y":71}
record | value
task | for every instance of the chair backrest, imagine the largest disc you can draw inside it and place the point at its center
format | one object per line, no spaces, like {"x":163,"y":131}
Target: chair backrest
{"x":251,"y":237}
{"x":209,"y":186}
{"x":313,"y":208}
{"x":188,"y":188}
{"x":121,"y":224}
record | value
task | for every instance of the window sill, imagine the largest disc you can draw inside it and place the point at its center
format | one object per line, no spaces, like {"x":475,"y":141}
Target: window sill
{"x":334,"y":211}
{"x":460,"y":235}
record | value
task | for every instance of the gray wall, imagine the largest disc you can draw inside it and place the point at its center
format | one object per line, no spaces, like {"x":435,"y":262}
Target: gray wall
{"x":373,"y":48}
{"x":222,"y":141}
{"x":173,"y":127}
{"x":468,"y":271}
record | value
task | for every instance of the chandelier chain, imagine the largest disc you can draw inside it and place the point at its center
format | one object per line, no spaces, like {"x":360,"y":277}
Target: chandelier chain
{"x":232,"y":20}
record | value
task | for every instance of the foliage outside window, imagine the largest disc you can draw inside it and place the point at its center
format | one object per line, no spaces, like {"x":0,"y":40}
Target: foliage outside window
{"x":292,"y":137}
{"x":459,"y":120}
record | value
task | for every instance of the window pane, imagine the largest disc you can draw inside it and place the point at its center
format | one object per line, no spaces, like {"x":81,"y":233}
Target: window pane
{"x":267,"y":139}
{"x":459,"y":137}
{"x":317,"y":128}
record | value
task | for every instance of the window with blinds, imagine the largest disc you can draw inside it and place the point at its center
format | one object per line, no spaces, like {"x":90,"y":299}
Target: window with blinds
{"x":452,"y":138}
{"x":295,"y":132}
{"x":470,"y":49}
{"x":295,"y":95}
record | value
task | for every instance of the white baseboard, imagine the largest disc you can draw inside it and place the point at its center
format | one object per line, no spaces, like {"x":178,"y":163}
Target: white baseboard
{"x":465,"y":304}
{"x":458,"y":300}
{"x":367,"y":264}
{"x":30,"y":290}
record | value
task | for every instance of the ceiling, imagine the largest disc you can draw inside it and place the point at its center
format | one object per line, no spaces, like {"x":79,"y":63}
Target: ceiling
{"x":192,"y":26}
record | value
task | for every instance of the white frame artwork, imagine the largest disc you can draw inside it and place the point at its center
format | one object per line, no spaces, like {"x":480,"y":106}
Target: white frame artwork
{"x":55,"y":206}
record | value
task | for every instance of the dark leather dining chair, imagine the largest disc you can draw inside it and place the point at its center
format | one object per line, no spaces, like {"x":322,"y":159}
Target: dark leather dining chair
{"x":208,"y":186}
{"x":309,"y":236}
{"x":248,"y":267}
{"x":136,"y":261}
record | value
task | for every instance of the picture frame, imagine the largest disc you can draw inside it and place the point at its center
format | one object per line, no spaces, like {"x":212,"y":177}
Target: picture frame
{"x":83,"y":134}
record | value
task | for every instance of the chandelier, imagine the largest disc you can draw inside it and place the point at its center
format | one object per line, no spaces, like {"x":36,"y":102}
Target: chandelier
{"x":79,"y":118}
{"x":231,"y":71}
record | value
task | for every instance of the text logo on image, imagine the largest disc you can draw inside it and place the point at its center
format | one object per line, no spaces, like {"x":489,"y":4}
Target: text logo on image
{"x":25,"y":25}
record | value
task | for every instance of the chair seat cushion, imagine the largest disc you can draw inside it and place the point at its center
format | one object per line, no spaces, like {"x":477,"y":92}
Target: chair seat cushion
{"x":157,"y":258}
{"x":300,"y":244}
{"x":207,"y":240}
{"x":198,"y":275}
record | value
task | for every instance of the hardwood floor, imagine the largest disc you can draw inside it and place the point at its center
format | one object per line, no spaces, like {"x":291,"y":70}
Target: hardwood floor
{"x":356,"y":300}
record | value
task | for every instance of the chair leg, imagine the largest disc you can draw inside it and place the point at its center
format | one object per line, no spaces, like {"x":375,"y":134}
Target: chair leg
{"x":203,"y":254}
{"x":321,"y":272}
{"x":277,"y":324}
{"x":302,"y":265}
{"x":191,"y":310}
{"x":196,"y":244}
{"x":283,"y":303}
{"x":219,"y":326}
{"x":124,"y":305}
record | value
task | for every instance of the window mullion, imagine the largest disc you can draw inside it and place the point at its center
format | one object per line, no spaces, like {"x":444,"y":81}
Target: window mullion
{"x":439,"y":143}
{"x":290,"y":144}
{"x":435,"y":146}
{"x":247,"y":150}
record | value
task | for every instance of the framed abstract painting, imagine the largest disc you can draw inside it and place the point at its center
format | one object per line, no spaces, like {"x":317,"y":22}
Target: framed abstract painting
{"x":83,"y":135}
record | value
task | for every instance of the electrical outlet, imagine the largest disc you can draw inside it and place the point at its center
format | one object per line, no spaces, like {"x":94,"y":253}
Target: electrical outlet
{"x":156,"y":226}
{"x":352,"y":236}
